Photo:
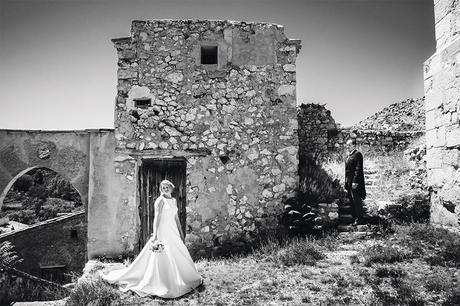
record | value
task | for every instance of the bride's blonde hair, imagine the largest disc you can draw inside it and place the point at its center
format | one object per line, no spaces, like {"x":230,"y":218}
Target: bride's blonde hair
{"x":166,"y":182}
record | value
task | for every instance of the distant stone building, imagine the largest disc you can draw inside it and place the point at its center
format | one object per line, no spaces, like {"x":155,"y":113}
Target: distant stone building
{"x":442,"y":92}
{"x":210,"y":105}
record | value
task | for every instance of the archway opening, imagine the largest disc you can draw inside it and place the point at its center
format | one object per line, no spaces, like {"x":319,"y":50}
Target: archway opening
{"x":38,"y":195}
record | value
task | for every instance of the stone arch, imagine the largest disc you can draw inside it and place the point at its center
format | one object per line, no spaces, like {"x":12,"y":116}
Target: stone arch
{"x":25,"y":171}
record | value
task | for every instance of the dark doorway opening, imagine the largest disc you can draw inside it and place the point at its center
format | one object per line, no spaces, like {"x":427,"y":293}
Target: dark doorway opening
{"x":151,"y":173}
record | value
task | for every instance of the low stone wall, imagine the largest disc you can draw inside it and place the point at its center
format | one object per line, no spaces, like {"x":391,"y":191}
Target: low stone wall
{"x":17,"y":286}
{"x":58,"y":241}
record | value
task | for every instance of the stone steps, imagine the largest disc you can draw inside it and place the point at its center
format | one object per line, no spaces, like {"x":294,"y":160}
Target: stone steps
{"x":346,"y":219}
{"x":371,"y":178}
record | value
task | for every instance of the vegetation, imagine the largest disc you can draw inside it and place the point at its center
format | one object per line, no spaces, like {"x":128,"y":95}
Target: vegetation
{"x":39,"y":195}
{"x":93,"y":291}
{"x":8,"y":257}
{"x":388,"y":270}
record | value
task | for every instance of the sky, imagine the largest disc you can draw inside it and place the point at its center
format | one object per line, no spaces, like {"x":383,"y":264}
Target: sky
{"x":58,"y":64}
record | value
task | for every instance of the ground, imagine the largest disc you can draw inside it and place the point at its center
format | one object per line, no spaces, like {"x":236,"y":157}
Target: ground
{"x":415,"y":264}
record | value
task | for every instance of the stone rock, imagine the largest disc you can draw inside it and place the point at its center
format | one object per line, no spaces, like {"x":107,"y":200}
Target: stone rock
{"x":279,"y":188}
{"x":267,"y":194}
{"x":289,"y":67}
{"x":175,"y":77}
{"x":286,"y":90}
{"x":172,"y":131}
{"x":252,"y":154}
{"x":229,"y":189}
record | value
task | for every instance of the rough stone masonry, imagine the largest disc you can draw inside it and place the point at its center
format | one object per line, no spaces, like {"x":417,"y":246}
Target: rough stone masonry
{"x":442,"y":92}
{"x":233,"y":118}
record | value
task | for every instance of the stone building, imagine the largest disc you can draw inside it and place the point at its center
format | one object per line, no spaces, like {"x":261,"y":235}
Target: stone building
{"x":442,"y":91}
{"x":210,"y":105}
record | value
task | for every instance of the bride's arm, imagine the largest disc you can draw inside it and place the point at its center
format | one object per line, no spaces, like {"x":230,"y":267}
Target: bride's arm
{"x":156,"y":220}
{"x":179,"y":227}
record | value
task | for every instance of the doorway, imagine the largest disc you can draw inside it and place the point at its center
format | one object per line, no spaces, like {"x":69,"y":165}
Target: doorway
{"x":151,"y":173}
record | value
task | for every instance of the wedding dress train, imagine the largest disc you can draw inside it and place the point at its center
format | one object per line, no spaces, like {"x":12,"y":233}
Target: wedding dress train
{"x":167,"y":274}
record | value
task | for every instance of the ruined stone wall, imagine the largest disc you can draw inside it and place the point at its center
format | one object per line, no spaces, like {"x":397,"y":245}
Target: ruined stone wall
{"x":406,"y":115}
{"x":442,"y":91}
{"x":234,"y":121}
{"x":58,"y":241}
{"x":321,"y":138}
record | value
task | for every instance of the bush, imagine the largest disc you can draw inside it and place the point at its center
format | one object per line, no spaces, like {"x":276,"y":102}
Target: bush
{"x":411,"y":207}
{"x":299,"y":252}
{"x":438,"y":282}
{"x":26,"y":216}
{"x":38,"y":191}
{"x":383,"y":254}
{"x":8,"y":257}
{"x":388,"y":271}
{"x":23,"y":183}
{"x":93,"y":291}
{"x":453,"y":298}
{"x":316,"y":185}
{"x":444,"y":244}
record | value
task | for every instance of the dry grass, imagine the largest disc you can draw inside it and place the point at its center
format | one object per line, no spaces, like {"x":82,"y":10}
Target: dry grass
{"x":330,"y":271}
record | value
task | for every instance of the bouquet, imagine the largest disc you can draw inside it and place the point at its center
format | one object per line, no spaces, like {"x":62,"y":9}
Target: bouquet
{"x":157,"y":246}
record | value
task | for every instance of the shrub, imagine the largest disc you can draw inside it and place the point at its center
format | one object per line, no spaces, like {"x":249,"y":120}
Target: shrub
{"x":38,"y":191}
{"x":60,"y":187}
{"x":316,"y":185}
{"x":438,"y":281}
{"x":444,"y":244}
{"x":93,"y":291}
{"x":23,"y":183}
{"x":411,"y":207}
{"x":453,"y":298}
{"x":299,"y":251}
{"x":383,"y":254}
{"x":8,"y":257}
{"x":388,"y":271}
{"x":26,"y":216}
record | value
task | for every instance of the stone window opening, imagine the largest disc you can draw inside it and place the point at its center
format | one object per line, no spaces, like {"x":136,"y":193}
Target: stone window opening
{"x":209,"y":55}
{"x":143,"y":102}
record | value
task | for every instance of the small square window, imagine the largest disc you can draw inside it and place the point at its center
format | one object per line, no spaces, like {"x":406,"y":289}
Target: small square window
{"x":208,"y":55}
{"x":142,"y":103}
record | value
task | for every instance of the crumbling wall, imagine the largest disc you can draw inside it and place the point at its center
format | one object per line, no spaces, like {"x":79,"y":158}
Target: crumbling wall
{"x":442,"y":91}
{"x":235,"y":121}
{"x":323,"y":139}
{"x":58,"y":241}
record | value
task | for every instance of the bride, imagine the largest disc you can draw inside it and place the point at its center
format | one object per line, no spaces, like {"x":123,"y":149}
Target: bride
{"x":164,"y":267}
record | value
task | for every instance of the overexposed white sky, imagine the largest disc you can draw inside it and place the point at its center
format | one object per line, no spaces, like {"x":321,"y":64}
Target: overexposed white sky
{"x":58,"y":65}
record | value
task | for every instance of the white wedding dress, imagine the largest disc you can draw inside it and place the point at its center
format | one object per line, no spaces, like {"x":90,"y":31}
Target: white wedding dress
{"x":167,"y":274}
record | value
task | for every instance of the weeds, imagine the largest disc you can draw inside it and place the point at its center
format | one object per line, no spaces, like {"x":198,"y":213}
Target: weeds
{"x":93,"y":291}
{"x":385,"y":253}
{"x":299,"y":251}
{"x":442,"y":245}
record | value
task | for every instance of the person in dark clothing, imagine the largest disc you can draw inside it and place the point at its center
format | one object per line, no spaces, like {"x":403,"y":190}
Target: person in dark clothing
{"x":354,"y":180}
